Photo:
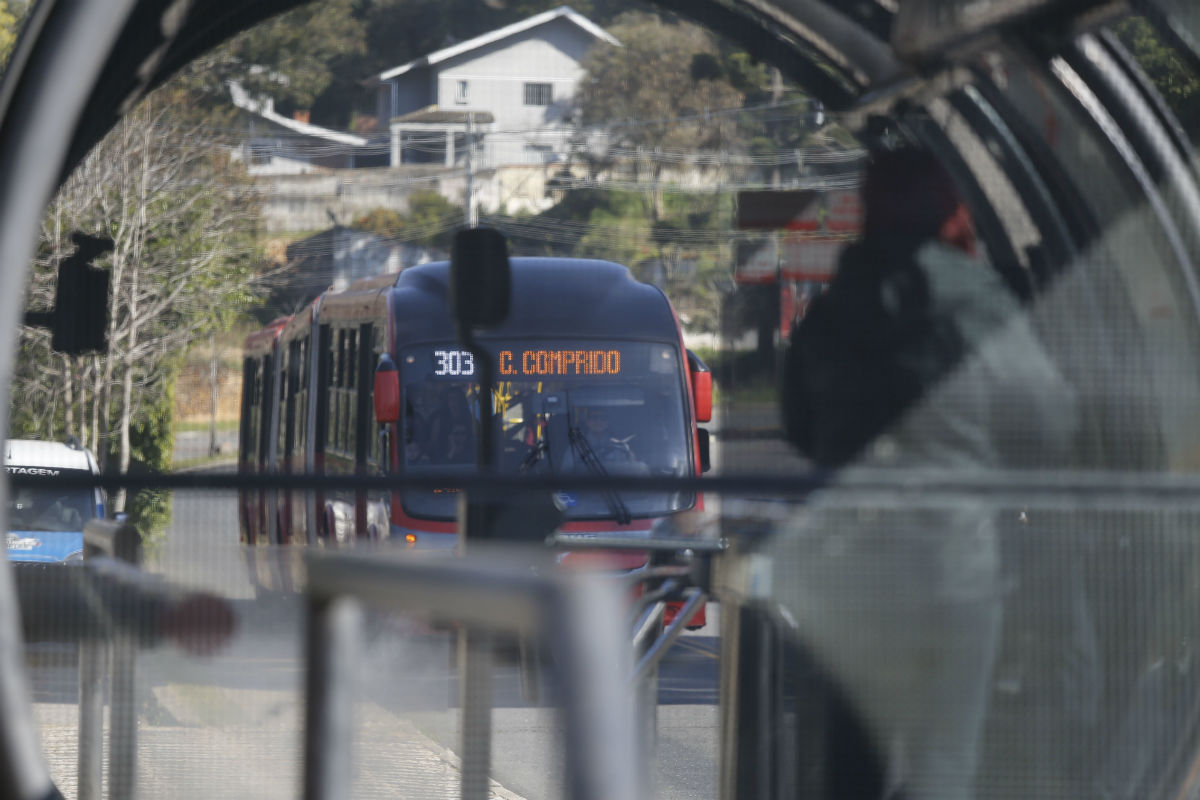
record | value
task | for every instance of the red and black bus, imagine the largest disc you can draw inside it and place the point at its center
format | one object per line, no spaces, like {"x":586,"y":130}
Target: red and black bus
{"x":259,"y":420}
{"x":591,"y":377}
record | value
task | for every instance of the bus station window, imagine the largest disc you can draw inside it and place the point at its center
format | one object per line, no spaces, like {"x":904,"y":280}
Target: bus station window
{"x":1117,"y":317}
{"x":1169,"y":71}
{"x":981,"y":158}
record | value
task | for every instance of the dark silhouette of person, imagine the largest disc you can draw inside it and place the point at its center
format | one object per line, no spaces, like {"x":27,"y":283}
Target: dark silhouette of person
{"x":459,"y":449}
{"x":615,"y":450}
{"x":917,"y":361}
{"x":425,"y":423}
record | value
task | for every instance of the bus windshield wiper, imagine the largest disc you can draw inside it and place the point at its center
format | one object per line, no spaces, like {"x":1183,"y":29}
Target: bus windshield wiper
{"x":537,"y":451}
{"x":587,"y":455}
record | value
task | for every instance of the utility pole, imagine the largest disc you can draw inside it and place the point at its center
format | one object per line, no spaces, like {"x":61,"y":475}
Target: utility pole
{"x":213,"y":382}
{"x":472,"y":215}
{"x":776,"y":180}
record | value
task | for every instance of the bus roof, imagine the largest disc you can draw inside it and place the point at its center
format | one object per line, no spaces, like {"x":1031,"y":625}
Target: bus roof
{"x":262,"y":342}
{"x":559,"y":297}
{"x":41,"y":453}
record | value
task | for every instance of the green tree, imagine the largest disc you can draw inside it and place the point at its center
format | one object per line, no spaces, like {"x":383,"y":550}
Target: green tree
{"x":1175,"y":80}
{"x":12,"y":16}
{"x":292,"y":58}
{"x":684,"y":253}
{"x":430,"y":221}
{"x":655,"y":96}
{"x":182,"y":217}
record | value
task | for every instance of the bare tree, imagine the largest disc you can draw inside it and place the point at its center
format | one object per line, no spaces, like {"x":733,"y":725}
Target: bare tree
{"x":182,"y":218}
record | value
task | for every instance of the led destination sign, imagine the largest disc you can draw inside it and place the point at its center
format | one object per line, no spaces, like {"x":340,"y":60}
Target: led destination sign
{"x":453,"y":362}
{"x":541,"y":363}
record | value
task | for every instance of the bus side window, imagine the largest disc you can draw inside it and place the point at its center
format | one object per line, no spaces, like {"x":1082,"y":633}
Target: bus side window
{"x":284,"y":396}
{"x":299,"y":427}
{"x":249,"y":400}
{"x":320,"y":385}
{"x":364,"y":447}
{"x":336,"y":376}
{"x":350,"y":395}
{"x":263,"y":410}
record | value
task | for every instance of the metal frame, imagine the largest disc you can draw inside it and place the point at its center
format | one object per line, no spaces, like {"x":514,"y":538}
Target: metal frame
{"x":484,"y":593}
{"x":105,"y":538}
{"x":49,"y":111}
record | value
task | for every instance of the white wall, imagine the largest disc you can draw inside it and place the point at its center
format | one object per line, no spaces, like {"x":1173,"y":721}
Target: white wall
{"x":497,"y":75}
{"x":412,"y":93}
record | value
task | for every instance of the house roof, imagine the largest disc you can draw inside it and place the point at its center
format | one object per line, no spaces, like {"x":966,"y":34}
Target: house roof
{"x":435,"y":116}
{"x":266,"y":109}
{"x":562,"y":12}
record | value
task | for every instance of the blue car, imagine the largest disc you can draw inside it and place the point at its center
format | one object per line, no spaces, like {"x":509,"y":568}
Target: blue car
{"x":45,"y":524}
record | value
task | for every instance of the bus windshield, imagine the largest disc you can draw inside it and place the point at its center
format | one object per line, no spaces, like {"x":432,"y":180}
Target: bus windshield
{"x":50,"y":509}
{"x":563,"y":408}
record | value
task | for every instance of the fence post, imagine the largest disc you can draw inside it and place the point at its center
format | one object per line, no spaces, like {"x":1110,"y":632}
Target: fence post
{"x":92,"y":662}
{"x":115,"y":539}
{"x":475,"y":689}
{"x":122,"y":730}
{"x":334,"y":626}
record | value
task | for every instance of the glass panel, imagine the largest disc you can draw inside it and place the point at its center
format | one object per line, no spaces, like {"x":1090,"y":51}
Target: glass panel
{"x":1174,"y":76}
{"x":994,"y":598}
{"x":1122,"y":317}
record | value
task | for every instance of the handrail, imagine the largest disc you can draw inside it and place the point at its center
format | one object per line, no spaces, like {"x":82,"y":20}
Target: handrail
{"x":581,"y":617}
{"x":1109,"y":488}
{"x":116,"y":609}
{"x":104,"y":540}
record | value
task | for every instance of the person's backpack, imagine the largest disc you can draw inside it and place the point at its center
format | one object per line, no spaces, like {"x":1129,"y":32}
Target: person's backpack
{"x":855,"y":364}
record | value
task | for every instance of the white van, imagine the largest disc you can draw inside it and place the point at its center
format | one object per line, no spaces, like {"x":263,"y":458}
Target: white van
{"x":45,"y":525}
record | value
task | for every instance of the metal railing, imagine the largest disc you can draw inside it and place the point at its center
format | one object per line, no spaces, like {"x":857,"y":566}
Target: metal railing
{"x":112,"y":609}
{"x":580,"y":617}
{"x":104,"y":540}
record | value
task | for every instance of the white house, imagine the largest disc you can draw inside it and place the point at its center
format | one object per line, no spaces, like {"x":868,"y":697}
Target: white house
{"x":510,"y":89}
{"x":279,"y":145}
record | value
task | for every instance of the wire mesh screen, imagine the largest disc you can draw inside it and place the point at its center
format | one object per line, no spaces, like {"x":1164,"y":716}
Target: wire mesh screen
{"x":1044,"y":654}
{"x":938,"y":539}
{"x":195,"y":688}
{"x":193,"y":669}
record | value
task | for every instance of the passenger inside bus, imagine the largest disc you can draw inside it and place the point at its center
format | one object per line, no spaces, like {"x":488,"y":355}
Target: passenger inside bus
{"x":418,"y":429}
{"x":45,"y":510}
{"x":428,"y":430}
{"x":584,"y":425}
{"x":614,"y":449}
{"x":459,"y":448}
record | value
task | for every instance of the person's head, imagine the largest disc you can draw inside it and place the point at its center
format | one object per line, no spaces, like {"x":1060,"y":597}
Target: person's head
{"x":908,"y":193}
{"x":426,"y":399}
{"x":23,"y":499}
{"x":459,"y":436}
{"x":597,"y":420}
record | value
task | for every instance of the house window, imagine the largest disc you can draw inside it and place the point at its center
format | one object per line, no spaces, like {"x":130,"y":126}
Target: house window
{"x":538,"y":94}
{"x":462,"y":92}
{"x":539,"y":153}
{"x":261,"y":151}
